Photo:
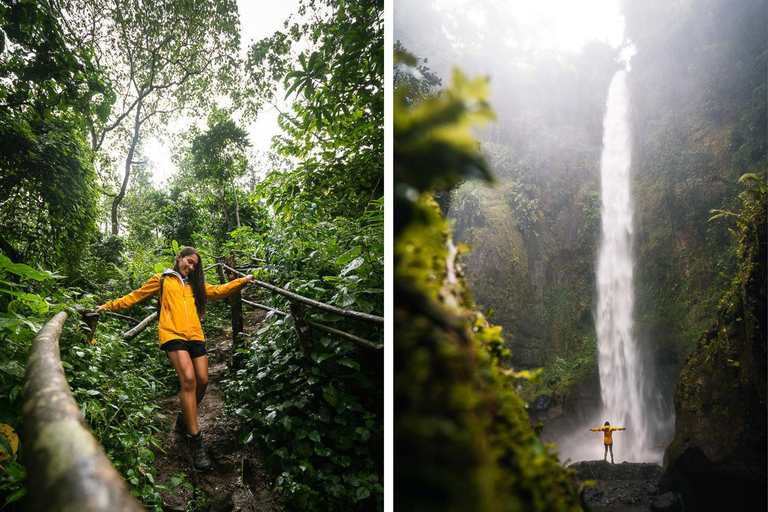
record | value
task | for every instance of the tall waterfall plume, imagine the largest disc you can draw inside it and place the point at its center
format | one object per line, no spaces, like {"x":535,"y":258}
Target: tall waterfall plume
{"x":621,"y":367}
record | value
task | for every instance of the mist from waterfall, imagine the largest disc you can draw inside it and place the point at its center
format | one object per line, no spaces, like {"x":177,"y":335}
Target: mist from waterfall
{"x":622,"y":378}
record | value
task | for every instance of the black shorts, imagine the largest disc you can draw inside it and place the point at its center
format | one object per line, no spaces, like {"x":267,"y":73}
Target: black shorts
{"x":195,"y":348}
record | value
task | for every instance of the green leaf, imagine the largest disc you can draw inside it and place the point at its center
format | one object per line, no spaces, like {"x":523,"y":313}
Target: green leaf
{"x":348,"y":256}
{"x":356,"y":263}
{"x":16,"y":496}
{"x":349,"y":363}
{"x":362,"y":493}
{"x":13,"y":368}
{"x":21,"y":270}
{"x":322,"y":451}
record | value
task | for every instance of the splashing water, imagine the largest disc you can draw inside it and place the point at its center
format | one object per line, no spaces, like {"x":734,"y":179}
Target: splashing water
{"x":621,"y":372}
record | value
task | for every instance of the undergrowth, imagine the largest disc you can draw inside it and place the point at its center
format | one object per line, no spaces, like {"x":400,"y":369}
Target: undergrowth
{"x":118,"y":402}
{"x":318,"y":408}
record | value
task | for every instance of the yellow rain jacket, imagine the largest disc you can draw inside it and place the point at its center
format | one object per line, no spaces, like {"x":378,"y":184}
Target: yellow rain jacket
{"x":178,"y":315}
{"x":608,"y":432}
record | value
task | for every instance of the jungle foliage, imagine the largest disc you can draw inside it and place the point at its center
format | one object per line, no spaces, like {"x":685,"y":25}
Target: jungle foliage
{"x":462,"y":435}
{"x":699,"y":123}
{"x":311,"y":212}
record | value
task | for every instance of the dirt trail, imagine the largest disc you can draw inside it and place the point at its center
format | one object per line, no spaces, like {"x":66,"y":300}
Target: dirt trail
{"x":238,"y":481}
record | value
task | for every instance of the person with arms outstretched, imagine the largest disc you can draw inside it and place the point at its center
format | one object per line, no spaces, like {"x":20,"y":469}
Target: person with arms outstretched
{"x":183,"y":295}
{"x":607,"y":431}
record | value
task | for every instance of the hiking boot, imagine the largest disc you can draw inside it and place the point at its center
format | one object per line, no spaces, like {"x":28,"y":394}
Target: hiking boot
{"x":200,"y":458}
{"x":181,"y":427}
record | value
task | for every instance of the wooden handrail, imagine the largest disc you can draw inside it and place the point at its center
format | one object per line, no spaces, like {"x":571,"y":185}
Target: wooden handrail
{"x":313,"y":303}
{"x":350,"y":337}
{"x":66,"y":467}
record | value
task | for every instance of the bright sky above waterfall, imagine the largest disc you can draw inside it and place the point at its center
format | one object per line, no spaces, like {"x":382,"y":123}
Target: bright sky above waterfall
{"x":573,"y":23}
{"x":562,"y":24}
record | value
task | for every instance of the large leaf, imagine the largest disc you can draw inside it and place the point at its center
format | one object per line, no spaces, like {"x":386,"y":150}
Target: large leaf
{"x":22,"y":270}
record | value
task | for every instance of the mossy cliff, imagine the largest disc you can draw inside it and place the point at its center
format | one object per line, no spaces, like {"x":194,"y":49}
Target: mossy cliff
{"x":718,"y":455}
{"x":462,"y":436}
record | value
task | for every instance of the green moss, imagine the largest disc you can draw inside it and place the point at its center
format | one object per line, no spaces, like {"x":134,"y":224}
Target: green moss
{"x":462,"y":437}
{"x":559,"y":377}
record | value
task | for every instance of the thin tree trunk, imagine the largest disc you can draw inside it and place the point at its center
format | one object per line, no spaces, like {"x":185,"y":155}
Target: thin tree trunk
{"x":237,"y":206}
{"x":226,"y":209}
{"x":128,"y":163}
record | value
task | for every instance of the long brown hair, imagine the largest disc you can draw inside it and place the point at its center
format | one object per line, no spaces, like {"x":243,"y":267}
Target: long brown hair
{"x":196,"y":279}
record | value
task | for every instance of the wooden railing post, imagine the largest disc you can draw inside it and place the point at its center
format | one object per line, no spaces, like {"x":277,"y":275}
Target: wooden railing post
{"x":66,"y":467}
{"x":235,"y":308}
{"x":302,"y":330}
{"x":91,"y":319}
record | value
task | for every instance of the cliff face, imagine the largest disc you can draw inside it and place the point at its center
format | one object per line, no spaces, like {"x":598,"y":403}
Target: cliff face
{"x":719,"y":450}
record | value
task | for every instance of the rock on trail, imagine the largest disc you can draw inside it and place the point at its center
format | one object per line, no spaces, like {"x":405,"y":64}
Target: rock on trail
{"x":625,"y":487}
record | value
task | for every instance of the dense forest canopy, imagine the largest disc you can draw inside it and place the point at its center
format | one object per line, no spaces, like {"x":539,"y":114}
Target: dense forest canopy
{"x":84,"y":85}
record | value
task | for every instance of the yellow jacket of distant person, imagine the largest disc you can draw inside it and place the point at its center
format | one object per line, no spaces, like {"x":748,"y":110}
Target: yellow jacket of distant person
{"x":178,"y":315}
{"x":608,"y":433}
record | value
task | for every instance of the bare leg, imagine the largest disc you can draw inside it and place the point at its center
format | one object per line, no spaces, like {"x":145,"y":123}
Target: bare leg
{"x":201,"y":376}
{"x":605,"y":455}
{"x":182,"y":363}
{"x":611,"y":452}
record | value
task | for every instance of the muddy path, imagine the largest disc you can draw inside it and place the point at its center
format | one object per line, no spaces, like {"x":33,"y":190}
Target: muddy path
{"x":238,"y":481}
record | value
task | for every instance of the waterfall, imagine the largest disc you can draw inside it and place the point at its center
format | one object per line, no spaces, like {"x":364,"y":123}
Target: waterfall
{"x":621,"y":367}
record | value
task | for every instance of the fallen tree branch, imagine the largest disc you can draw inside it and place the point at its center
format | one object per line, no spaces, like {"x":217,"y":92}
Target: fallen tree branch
{"x":129,"y":335}
{"x":66,"y":467}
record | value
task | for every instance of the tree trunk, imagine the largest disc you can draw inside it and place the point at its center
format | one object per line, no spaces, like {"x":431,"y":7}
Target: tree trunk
{"x":224,"y":205}
{"x":237,"y":207}
{"x":128,"y":161}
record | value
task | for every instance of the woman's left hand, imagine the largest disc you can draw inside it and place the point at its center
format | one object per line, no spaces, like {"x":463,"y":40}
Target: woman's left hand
{"x":250,"y":279}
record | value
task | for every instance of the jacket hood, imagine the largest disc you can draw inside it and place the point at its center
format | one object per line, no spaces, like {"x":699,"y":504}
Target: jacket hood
{"x":170,"y":271}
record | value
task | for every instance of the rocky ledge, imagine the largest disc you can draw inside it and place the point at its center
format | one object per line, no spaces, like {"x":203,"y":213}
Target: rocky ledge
{"x":625,"y":487}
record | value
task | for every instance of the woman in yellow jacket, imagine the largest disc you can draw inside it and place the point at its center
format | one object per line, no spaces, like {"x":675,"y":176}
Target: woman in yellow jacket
{"x":608,"y":431}
{"x":183,"y":299}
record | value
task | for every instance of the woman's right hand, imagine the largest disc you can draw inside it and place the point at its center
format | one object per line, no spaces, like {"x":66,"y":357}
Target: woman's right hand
{"x":99,"y":308}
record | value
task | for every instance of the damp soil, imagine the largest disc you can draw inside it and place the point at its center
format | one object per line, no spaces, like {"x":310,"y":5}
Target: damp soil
{"x":238,"y":481}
